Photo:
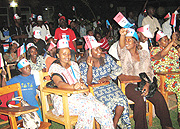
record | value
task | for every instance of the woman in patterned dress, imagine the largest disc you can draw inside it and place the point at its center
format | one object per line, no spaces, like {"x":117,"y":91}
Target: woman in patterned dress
{"x":134,"y":62}
{"x":165,"y":58}
{"x":66,"y":74}
{"x":36,"y":61}
{"x":97,"y":67}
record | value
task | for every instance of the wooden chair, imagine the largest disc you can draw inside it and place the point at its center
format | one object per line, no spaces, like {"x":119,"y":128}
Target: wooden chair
{"x":17,"y":111}
{"x":122,"y":80}
{"x":66,"y":119}
{"x":164,"y":92}
{"x":8,"y":70}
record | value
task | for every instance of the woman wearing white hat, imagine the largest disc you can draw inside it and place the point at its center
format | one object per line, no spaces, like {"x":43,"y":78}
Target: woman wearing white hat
{"x":165,"y":58}
{"x":97,"y":67}
{"x":66,"y":74}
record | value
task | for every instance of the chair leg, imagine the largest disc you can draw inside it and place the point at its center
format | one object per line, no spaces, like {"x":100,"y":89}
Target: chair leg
{"x":13,"y":122}
{"x":150,"y":114}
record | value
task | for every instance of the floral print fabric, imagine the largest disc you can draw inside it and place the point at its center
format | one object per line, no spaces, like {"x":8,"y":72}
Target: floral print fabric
{"x":87,"y":107}
{"x":40,"y":64}
{"x":169,"y":63}
{"x":111,"y":95}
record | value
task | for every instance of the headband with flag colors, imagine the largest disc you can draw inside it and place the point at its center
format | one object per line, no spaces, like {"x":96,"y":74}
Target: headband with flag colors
{"x":21,"y":50}
{"x":122,"y":21}
{"x":39,"y":18}
{"x":62,"y":43}
{"x":91,"y":42}
{"x":14,"y":42}
{"x":145,"y":31}
{"x":167,"y":16}
{"x":59,"y":14}
{"x":23,"y":63}
{"x":1,"y":60}
{"x":173,"y":20}
{"x":107,"y":24}
{"x":51,"y":46}
{"x":48,"y":36}
{"x":159,"y":35}
{"x":16,"y":16}
{"x":5,"y":46}
{"x":132,"y":33}
{"x":30,"y":45}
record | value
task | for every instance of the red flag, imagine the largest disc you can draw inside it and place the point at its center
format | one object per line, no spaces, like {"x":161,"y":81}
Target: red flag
{"x":173,"y":20}
{"x":1,"y":60}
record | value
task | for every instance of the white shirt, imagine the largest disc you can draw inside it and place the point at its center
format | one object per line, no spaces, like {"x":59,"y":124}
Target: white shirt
{"x":166,"y":27}
{"x":44,"y":31}
{"x":145,"y":46}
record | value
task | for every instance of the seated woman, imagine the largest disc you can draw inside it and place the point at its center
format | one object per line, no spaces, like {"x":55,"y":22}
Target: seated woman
{"x":36,"y":61}
{"x":133,"y":62}
{"x":66,"y":75}
{"x":11,"y":57}
{"x":165,"y":58}
{"x":97,"y":67}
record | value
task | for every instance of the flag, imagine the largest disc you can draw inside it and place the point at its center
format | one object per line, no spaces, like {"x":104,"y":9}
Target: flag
{"x":59,"y":14}
{"x":107,"y":24}
{"x":167,"y":16}
{"x":1,"y":60}
{"x":5,"y":46}
{"x":91,"y":42}
{"x":73,"y":8}
{"x":33,"y":15}
{"x":173,"y":20}
{"x":69,"y":21}
{"x":21,"y":50}
{"x":122,"y":21}
{"x":51,"y":46}
{"x":8,"y":40}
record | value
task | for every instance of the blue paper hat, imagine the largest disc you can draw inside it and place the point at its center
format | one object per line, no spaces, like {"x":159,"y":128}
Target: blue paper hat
{"x":131,"y":32}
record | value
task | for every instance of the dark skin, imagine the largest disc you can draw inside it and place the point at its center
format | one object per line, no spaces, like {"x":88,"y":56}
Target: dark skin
{"x":130,"y":44}
{"x":33,"y":55}
{"x":64,"y":57}
{"x":93,"y":61}
{"x":166,"y":44}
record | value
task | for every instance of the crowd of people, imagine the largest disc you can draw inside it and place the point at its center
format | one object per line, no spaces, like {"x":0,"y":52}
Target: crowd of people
{"x":146,"y":47}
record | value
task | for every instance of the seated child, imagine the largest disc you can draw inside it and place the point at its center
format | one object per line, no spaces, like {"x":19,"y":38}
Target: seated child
{"x":27,"y":82}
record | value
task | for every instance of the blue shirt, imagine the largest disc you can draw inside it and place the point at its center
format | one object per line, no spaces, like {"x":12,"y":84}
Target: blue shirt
{"x":28,"y":88}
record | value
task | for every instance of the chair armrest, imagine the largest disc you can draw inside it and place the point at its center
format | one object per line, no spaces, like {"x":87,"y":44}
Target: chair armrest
{"x":63,"y":91}
{"x":167,"y":73}
{"x":17,"y":111}
{"x":98,"y":84}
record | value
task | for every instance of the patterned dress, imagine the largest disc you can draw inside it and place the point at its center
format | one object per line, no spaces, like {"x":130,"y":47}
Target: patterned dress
{"x":86,"y":107}
{"x":111,"y":95}
{"x":169,"y":63}
{"x":40,"y":64}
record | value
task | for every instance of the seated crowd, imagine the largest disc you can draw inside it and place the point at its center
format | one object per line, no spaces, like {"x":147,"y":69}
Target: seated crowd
{"x":58,"y":55}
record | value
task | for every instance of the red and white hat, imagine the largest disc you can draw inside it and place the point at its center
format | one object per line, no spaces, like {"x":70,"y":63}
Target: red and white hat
{"x":16,"y":16}
{"x":62,"y":43}
{"x":37,"y":34}
{"x":23,"y":63}
{"x":145,"y":31}
{"x":51,"y":46}
{"x":167,"y":16}
{"x":48,"y":36}
{"x":30,"y":45}
{"x":14,"y":42}
{"x":39,"y":18}
{"x":159,"y":35}
{"x":91,"y":42}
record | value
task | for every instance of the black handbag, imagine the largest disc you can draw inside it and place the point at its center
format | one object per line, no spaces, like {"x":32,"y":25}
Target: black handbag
{"x":51,"y":84}
{"x":152,"y":85}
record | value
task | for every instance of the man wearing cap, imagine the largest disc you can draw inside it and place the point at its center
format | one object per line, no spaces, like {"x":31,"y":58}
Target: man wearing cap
{"x":17,"y":31}
{"x":44,"y":28}
{"x":144,"y":34}
{"x":66,"y":33}
{"x":27,"y":82}
{"x":152,"y":21}
{"x":29,"y":27}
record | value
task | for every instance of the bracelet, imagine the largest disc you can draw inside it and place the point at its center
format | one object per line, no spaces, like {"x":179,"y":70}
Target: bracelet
{"x":177,"y":47}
